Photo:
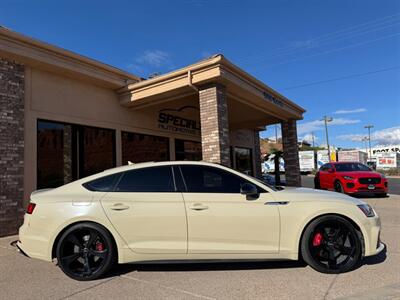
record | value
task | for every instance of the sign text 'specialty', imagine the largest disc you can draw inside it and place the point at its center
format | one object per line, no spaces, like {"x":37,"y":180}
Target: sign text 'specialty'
{"x":168,"y":119}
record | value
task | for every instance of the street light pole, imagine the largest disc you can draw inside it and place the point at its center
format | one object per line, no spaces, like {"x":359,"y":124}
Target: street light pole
{"x":369,"y":138}
{"x":326,"y":120}
{"x":365,"y":139}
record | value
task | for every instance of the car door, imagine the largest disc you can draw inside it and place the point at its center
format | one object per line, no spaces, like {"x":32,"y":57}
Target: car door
{"x":324,"y":176}
{"x":221,"y":219}
{"x":147,"y":211}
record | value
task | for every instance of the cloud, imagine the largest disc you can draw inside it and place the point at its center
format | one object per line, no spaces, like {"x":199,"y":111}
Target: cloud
{"x":308,"y":138}
{"x":151,"y":61}
{"x":155,"y":58}
{"x":351,"y":111}
{"x":384,"y":137}
{"x":316,"y":125}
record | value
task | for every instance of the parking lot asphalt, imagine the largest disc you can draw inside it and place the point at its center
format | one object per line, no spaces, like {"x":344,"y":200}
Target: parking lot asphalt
{"x":377,"y":278}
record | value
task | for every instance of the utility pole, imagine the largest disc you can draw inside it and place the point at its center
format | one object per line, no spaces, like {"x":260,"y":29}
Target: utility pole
{"x":276,"y":133}
{"x":365,"y":139}
{"x":369,"y":138}
{"x":326,"y":120}
{"x":312,"y":136}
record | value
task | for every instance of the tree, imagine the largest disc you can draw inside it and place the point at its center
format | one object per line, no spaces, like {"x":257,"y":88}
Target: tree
{"x":278,"y":154}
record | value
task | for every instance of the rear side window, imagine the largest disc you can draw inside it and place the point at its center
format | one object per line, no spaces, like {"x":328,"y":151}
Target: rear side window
{"x":204,"y":179}
{"x":103,"y":184}
{"x":151,"y":180}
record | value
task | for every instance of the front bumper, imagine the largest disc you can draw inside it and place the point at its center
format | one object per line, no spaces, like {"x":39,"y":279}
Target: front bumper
{"x":372,"y":232}
{"x":354,"y":187}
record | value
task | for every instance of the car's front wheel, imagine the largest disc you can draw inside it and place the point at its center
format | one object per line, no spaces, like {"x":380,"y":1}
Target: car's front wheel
{"x":85,"y":251}
{"x":331,"y":244}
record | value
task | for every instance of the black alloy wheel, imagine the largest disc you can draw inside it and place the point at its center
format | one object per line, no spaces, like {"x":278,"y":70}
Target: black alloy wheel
{"x":332,"y":245}
{"x":339,"y":187}
{"x":85,"y":251}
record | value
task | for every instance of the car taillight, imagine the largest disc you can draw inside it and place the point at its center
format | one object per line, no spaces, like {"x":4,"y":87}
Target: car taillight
{"x":30,"y":208}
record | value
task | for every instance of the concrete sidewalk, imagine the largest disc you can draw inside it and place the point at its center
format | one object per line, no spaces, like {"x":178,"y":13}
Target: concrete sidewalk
{"x":378,"y":278}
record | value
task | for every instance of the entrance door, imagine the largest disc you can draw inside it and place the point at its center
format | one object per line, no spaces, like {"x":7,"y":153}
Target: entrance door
{"x":148,"y":212}
{"x":221,"y":220}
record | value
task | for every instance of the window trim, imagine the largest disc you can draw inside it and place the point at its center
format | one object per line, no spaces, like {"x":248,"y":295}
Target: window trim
{"x":261,"y":189}
{"x":114,"y":190}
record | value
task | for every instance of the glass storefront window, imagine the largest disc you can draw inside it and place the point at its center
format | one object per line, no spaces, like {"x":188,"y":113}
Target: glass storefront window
{"x":137,"y":147}
{"x":66,"y":152}
{"x":243,"y":160}
{"x":187,"y":150}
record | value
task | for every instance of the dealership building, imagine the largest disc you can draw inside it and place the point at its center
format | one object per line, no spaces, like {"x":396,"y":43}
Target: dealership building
{"x":65,"y":116}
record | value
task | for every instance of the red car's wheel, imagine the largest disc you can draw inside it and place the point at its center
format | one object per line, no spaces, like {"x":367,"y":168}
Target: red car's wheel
{"x":339,"y":187}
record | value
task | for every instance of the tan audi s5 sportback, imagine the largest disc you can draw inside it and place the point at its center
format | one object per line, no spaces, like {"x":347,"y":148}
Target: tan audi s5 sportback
{"x":193,"y":211}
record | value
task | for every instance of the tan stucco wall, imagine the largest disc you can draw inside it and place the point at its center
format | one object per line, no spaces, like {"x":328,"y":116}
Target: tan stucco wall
{"x":52,"y":97}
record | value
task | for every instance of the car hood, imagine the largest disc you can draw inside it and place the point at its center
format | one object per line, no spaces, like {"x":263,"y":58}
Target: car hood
{"x":307,"y":194}
{"x":360,"y":174}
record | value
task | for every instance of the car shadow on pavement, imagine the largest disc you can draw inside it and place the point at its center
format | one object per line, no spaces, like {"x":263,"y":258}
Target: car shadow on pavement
{"x":376,"y":259}
{"x":205,"y":266}
{"x":225,"y":265}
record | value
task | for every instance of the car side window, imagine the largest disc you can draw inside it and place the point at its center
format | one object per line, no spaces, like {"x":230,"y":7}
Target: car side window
{"x":103,"y":184}
{"x":205,"y":179}
{"x":151,"y":180}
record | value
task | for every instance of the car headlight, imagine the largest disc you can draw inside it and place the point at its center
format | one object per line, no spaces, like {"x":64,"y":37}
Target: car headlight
{"x":348,"y":177}
{"x":367,"y":210}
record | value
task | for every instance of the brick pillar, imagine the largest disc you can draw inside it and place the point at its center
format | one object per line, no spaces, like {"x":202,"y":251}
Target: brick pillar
{"x":214,"y":124}
{"x":12,"y":81}
{"x":257,"y":154}
{"x":291,"y":153}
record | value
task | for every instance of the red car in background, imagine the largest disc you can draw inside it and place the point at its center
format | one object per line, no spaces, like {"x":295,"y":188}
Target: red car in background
{"x":350,"y":178}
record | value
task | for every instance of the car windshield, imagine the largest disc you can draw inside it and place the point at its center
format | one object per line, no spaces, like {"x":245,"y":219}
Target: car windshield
{"x":351,"y":167}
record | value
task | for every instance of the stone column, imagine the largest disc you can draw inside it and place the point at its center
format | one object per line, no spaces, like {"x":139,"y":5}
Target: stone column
{"x":257,"y":155}
{"x":12,"y":103}
{"x":214,"y":124}
{"x":291,"y":153}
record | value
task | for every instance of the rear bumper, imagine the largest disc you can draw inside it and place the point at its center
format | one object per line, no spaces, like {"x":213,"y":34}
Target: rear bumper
{"x":33,"y":243}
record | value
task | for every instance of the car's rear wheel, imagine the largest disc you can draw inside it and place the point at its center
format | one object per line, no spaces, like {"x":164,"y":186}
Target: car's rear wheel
{"x":331,"y":244}
{"x":339,"y":187}
{"x":85,"y":251}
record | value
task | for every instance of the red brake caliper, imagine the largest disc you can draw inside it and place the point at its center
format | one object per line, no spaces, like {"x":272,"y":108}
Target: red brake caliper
{"x":317,"y":239}
{"x":99,"y":246}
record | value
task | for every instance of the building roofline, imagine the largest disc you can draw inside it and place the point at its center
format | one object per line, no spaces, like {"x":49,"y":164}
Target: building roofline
{"x":215,"y":60}
{"x":67,"y":55}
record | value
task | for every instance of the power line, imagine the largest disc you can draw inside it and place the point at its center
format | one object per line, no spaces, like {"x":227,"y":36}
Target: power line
{"x":352,"y":30}
{"x":331,"y":51}
{"x":340,"y":78}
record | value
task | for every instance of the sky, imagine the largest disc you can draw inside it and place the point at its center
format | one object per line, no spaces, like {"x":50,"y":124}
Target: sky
{"x":336,"y":58}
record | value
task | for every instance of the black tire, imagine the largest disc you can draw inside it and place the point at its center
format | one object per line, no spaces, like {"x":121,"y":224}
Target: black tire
{"x":317,"y":184}
{"x":339,"y":249}
{"x":85,"y":251}
{"x":339,"y":187}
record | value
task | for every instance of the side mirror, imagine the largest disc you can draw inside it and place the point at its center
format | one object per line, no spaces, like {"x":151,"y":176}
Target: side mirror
{"x":331,"y":170}
{"x":250,"y":190}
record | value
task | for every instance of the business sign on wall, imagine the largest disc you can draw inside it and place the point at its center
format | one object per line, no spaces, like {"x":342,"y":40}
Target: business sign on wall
{"x":180,"y":120}
{"x":388,"y":149}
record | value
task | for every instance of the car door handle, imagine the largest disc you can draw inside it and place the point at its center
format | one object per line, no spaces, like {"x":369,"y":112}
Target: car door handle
{"x":199,"y":206}
{"x":119,"y":206}
{"x":277,"y":203}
